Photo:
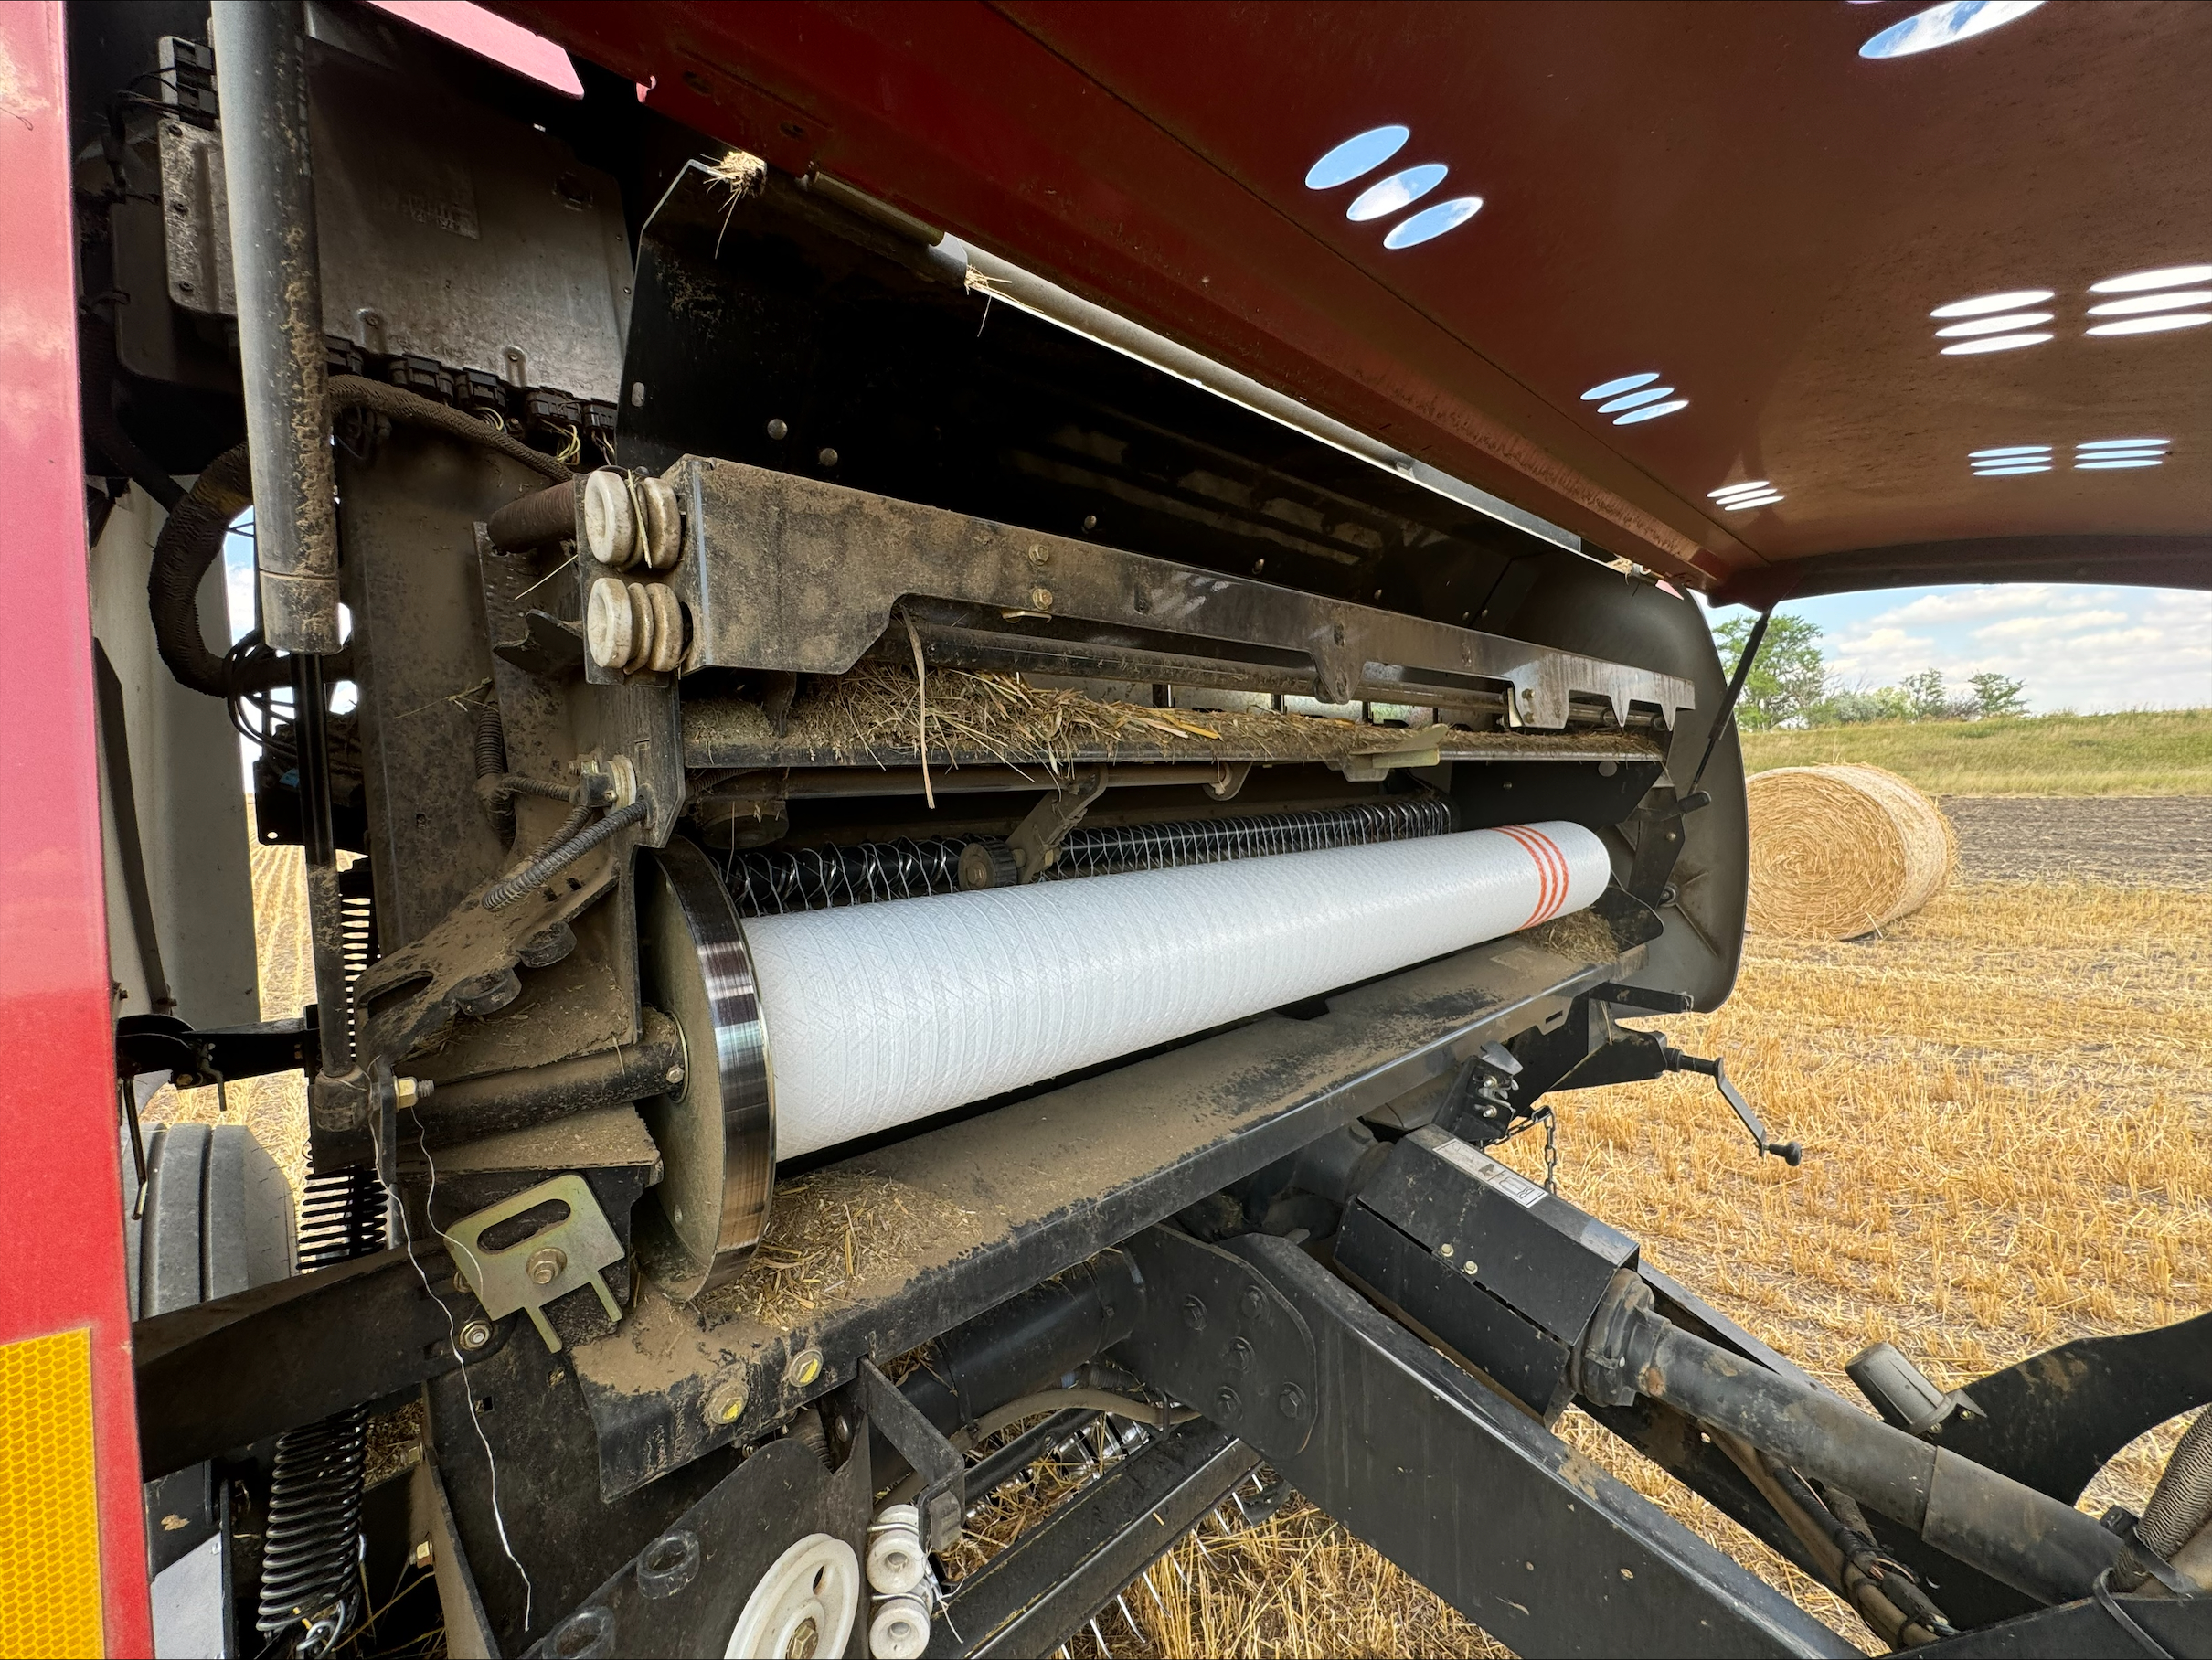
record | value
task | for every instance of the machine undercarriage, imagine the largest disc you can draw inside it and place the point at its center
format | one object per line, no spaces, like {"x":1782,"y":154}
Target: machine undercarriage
{"x":729,"y":561}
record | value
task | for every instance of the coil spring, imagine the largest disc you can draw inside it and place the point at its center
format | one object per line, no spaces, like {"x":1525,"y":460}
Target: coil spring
{"x":356,"y":947}
{"x":313,"y":1540}
{"x":774,"y":881}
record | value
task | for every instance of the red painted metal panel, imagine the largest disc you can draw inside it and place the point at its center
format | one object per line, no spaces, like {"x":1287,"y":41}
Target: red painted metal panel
{"x":1728,"y":195}
{"x":62,"y":1248}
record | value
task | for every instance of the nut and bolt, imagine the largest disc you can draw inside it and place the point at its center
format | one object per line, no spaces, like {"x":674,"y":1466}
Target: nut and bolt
{"x":1194,"y":1312}
{"x":1040,"y":555}
{"x":726,"y":1401}
{"x":1290,"y":1400}
{"x":804,"y":1367}
{"x":1229,"y":1406}
{"x":475,"y":1334}
{"x":1255,"y":1304}
{"x":1040,"y":598}
{"x":545,"y":1265}
{"x":675,"y":1075}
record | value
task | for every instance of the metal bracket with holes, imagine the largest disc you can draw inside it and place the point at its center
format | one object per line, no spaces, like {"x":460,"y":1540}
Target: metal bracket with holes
{"x":559,"y":1257}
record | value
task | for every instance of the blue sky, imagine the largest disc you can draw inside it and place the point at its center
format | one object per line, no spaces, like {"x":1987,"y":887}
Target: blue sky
{"x":2076,"y":646}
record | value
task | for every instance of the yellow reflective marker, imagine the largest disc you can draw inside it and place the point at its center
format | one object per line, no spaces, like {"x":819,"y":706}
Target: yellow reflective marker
{"x":49,"y":1518}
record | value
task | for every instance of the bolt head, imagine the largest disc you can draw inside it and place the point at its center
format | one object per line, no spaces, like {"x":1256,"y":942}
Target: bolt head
{"x":1229,"y":1406}
{"x":827,"y":457}
{"x":1040,"y":598}
{"x":1468,"y":1268}
{"x":1444,"y":1249}
{"x":675,"y":1075}
{"x":1194,"y":1312}
{"x":1039,"y":555}
{"x":475,"y":1334}
{"x":1254,"y":1303}
{"x":1239,"y":1356}
{"x":804,"y":1367}
{"x":779,"y":429}
{"x":1290,"y":1400}
{"x":726,"y":1401}
{"x":545,"y":1265}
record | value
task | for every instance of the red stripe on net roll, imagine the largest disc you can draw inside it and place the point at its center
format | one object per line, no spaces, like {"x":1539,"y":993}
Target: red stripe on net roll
{"x":877,"y":1015}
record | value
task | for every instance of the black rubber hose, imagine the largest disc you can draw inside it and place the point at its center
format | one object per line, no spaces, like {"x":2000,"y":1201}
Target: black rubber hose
{"x":193,"y":539}
{"x":190,"y":542}
{"x":566,"y":853}
{"x":2179,"y":1505}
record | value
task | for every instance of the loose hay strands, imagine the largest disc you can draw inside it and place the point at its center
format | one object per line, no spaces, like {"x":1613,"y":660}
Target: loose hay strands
{"x":870,"y":714}
{"x":1841,"y":851}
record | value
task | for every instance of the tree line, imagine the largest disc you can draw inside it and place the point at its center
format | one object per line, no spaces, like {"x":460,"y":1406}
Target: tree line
{"x":1790,"y":684}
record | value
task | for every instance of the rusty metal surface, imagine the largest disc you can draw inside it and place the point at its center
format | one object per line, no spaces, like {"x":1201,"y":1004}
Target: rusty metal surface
{"x":962,"y":1216}
{"x":783,"y":573}
{"x":1728,"y":195}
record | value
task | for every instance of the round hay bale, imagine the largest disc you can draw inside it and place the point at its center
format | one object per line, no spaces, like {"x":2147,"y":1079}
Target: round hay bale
{"x":1844,"y":850}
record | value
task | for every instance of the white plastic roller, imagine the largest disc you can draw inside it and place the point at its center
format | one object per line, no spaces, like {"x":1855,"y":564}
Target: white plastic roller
{"x":877,"y":1015}
{"x":807,"y":1030}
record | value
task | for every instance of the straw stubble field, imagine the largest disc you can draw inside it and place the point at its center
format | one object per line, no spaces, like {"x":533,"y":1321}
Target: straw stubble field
{"x":2004,"y":1103}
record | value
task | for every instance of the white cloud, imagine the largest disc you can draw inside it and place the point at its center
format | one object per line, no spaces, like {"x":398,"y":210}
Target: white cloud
{"x":2026,"y":628}
{"x":2084,"y":648}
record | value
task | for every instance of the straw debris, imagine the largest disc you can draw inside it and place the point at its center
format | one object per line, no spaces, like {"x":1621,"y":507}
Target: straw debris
{"x":1840,"y":851}
{"x":873,"y":713}
{"x":828,"y":1234}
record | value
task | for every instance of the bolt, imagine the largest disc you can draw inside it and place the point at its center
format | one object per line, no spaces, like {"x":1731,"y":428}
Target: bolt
{"x":545,"y":1265}
{"x":1254,"y":1303}
{"x":1444,"y":1249}
{"x":637,"y":394}
{"x":725,"y":1402}
{"x":826,"y":456}
{"x":1291,"y":1400}
{"x":779,"y":429}
{"x":475,"y":1334}
{"x":423,"y":1554}
{"x":1229,"y":1406}
{"x":1239,"y":1356}
{"x":1469,"y":1268}
{"x":1194,"y":1312}
{"x":1040,"y":598}
{"x":1090,"y":521}
{"x":675,"y":1075}
{"x":1040,"y":555}
{"x":804,"y":1367}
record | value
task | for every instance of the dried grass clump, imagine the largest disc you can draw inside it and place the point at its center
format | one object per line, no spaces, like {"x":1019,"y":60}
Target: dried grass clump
{"x":874,"y":714}
{"x":1841,"y":851}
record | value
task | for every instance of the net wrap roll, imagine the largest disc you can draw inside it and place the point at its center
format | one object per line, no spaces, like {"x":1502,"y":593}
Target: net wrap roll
{"x":880,"y":1015}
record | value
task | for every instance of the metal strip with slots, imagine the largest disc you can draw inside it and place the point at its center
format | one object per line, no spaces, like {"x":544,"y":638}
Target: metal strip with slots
{"x":792,"y":574}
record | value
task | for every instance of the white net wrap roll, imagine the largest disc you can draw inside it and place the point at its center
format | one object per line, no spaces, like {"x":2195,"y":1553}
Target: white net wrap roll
{"x":879,"y":1014}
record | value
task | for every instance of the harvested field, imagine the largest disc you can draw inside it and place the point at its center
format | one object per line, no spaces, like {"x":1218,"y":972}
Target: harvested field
{"x":2162,"y":840}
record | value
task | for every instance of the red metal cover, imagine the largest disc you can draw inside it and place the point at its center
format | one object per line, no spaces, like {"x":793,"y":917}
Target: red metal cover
{"x":61,"y":1242}
{"x":1729,"y":196}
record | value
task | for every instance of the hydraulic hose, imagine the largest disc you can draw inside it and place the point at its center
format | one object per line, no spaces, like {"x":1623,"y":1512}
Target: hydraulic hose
{"x":2179,"y":1505}
{"x":193,"y":539}
{"x":562,"y":854}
